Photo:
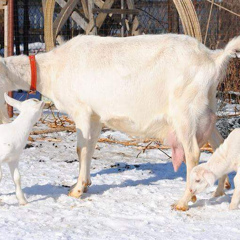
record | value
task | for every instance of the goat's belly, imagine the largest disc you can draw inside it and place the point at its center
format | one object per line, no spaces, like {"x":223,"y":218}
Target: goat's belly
{"x":158,"y":128}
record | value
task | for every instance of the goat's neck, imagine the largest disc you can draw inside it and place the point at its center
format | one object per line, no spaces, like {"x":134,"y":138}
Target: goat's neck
{"x":23,"y":123}
{"x":19,"y":73}
{"x":218,"y":163}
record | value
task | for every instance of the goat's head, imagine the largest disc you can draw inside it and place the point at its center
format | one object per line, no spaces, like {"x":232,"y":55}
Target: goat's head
{"x":200,"y":179}
{"x":32,"y":107}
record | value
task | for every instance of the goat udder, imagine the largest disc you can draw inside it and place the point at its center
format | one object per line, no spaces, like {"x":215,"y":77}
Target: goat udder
{"x":178,"y":155}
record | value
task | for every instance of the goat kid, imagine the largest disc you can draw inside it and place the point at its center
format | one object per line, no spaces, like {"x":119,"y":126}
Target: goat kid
{"x":158,"y":86}
{"x":224,"y":160}
{"x":14,"y":136}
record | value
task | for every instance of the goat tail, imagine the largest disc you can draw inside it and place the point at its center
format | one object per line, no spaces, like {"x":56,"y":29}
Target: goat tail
{"x":233,"y":47}
{"x":231,"y":50}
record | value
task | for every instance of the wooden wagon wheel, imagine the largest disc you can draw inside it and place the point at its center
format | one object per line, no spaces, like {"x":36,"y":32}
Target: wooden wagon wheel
{"x":51,"y":29}
{"x":189,"y":19}
{"x":87,"y":22}
{"x":92,"y":16}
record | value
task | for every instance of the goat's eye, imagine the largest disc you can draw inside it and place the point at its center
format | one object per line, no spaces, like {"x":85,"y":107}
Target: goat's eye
{"x":197,"y":181}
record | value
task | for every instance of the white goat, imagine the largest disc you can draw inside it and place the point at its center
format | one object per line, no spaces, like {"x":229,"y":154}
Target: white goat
{"x":159,"y":86}
{"x":14,"y":136}
{"x":224,"y":160}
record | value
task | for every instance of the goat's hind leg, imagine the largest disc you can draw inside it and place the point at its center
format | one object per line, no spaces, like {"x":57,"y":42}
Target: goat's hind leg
{"x":88,"y":130}
{"x":192,"y":154}
{"x":17,"y":181}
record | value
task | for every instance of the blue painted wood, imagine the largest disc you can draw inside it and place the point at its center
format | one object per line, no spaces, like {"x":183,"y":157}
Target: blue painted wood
{"x":22,"y":95}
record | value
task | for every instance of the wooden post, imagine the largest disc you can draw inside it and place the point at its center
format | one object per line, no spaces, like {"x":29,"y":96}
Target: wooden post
{"x":5,"y":30}
{"x":16,"y":30}
{"x":10,"y":42}
{"x":26,"y":28}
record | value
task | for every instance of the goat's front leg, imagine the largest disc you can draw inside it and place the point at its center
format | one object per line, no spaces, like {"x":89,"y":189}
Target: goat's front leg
{"x":192,"y":154}
{"x":215,"y":140}
{"x":236,"y":194}
{"x":17,"y":181}
{"x":88,"y":130}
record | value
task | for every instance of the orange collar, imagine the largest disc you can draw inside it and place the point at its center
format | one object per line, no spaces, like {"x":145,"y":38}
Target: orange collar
{"x":33,"y":73}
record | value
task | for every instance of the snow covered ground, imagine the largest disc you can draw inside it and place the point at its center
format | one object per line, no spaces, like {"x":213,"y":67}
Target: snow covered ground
{"x":129,"y":198}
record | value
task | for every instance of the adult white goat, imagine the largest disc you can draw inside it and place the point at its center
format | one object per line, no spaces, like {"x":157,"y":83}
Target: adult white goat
{"x":224,"y":160}
{"x":159,"y":86}
{"x":14,"y":136}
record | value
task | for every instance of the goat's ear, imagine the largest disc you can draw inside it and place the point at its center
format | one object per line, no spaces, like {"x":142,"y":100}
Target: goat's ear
{"x":12,"y":101}
{"x":209,"y":177}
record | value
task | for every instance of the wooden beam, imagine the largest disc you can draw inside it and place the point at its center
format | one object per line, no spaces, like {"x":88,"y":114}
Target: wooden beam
{"x":130,"y":4}
{"x":2,"y":3}
{"x":99,"y":3}
{"x":85,"y":8}
{"x":91,"y":18}
{"x":5,"y":30}
{"x":135,"y":31}
{"x":116,"y":11}
{"x":63,"y":16}
{"x":75,"y":16}
{"x":101,"y":16}
{"x":135,"y":23}
{"x":44,"y":5}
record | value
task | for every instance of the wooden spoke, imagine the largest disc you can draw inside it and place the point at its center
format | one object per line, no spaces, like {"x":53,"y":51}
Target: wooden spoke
{"x":101,"y":16}
{"x":63,"y":16}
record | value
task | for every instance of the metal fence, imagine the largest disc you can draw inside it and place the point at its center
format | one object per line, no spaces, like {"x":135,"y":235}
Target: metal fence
{"x":155,"y":17}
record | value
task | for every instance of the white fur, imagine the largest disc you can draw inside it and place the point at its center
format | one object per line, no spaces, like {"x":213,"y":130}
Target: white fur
{"x":146,"y":86}
{"x":224,"y":160}
{"x":14,"y":136}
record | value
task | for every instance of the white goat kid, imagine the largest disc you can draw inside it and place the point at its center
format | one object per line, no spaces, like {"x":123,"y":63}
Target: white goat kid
{"x":14,"y":136}
{"x":224,"y":160}
{"x":159,"y":86}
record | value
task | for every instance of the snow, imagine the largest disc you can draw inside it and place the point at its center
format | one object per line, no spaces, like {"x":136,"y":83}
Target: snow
{"x":130,"y":197}
{"x":34,"y":47}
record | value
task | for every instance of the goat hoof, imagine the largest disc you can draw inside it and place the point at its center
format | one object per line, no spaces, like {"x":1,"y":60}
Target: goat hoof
{"x":85,"y":189}
{"x":75,"y":194}
{"x":194,"y":198}
{"x":179,"y":207}
{"x":23,"y":203}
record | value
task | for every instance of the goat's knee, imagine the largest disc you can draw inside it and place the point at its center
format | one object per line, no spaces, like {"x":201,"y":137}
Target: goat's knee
{"x":17,"y":181}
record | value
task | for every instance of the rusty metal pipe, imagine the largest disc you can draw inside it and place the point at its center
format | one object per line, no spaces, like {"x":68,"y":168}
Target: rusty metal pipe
{"x":10,"y":42}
